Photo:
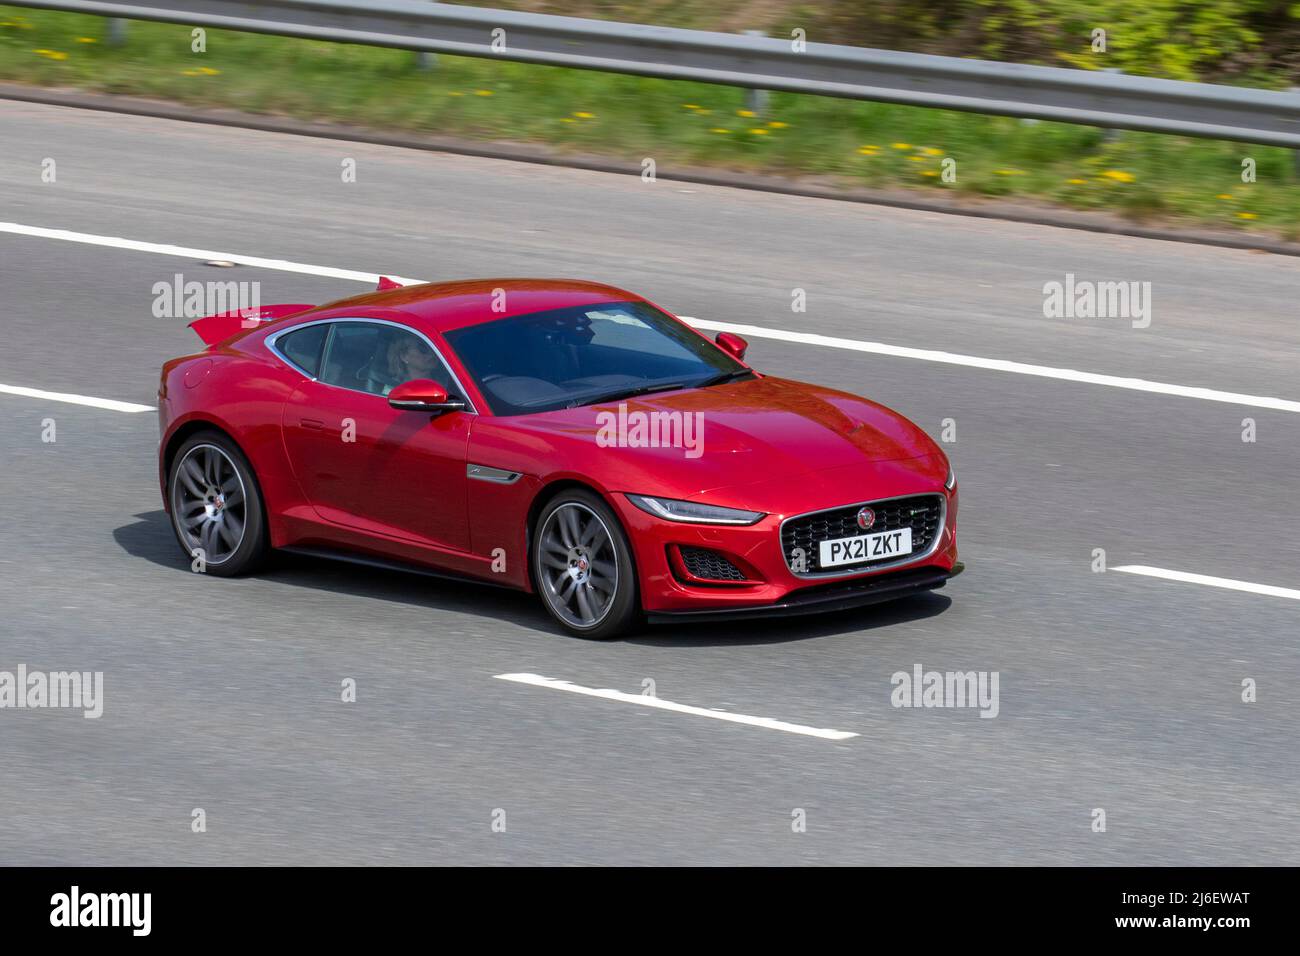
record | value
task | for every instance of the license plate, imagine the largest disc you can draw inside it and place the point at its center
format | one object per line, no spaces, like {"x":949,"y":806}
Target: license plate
{"x":866,"y":547}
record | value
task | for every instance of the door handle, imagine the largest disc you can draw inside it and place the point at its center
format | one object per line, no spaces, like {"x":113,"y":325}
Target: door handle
{"x":311,"y":423}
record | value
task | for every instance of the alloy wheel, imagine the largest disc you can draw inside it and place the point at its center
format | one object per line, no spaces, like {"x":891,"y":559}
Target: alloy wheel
{"x":579,"y":565}
{"x":209,"y":505}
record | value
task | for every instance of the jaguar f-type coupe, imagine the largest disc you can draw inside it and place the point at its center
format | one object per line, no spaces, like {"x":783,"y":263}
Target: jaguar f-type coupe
{"x":560,"y":437}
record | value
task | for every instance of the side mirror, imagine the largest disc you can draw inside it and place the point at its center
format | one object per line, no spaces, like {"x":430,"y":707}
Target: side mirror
{"x":732,"y":344}
{"x":423,"y":395}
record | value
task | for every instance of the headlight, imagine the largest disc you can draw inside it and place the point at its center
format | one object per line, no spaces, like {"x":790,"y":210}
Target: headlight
{"x":951,"y":481}
{"x":692,"y":511}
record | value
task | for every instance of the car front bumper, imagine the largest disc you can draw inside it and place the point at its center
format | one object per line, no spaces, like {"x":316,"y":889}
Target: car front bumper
{"x":770,"y":587}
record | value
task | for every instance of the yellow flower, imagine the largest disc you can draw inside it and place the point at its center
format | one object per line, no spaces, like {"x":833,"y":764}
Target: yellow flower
{"x":746,"y":113}
{"x":1119,"y":175}
{"x":86,"y":40}
{"x":208,"y":71}
{"x":1076,"y":182}
{"x":719,"y":129}
{"x":52,"y":54}
{"x":931,"y":151}
{"x":758,"y":131}
{"x":1009,"y":172}
{"x":867,"y":151}
{"x":482,"y":92}
{"x":901,"y":145}
{"x":1224,"y":196}
{"x":777,"y":124}
{"x":690,"y":106}
{"x":585,"y":115}
{"x":916,"y":159}
{"x":567,"y":119}
{"x":928,"y":172}
{"x":1246,"y":215}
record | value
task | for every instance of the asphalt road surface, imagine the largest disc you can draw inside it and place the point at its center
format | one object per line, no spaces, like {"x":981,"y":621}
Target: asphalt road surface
{"x":1117,"y":691}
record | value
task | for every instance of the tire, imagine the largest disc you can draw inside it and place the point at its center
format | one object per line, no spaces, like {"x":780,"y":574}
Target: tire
{"x":216,"y":505}
{"x":583,"y":568}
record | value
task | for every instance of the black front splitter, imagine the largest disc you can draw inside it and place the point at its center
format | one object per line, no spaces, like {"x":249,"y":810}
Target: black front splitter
{"x":822,"y":600}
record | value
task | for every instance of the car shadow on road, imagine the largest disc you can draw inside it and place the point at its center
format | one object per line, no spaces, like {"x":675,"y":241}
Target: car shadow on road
{"x":150,"y":537}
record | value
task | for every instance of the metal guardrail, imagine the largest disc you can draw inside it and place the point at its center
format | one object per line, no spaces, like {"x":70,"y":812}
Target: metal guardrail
{"x":976,"y":86}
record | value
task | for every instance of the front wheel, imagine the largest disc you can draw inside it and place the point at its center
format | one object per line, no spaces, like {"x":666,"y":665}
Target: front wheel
{"x":582,"y":566}
{"x":216,"y":505}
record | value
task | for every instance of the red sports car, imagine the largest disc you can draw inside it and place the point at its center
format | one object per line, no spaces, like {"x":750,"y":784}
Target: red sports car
{"x":562,"y":437}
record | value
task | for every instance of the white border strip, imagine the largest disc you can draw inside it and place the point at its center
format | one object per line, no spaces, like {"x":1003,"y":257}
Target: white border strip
{"x":536,"y":680}
{"x":1267,"y":589}
{"x":109,"y":403}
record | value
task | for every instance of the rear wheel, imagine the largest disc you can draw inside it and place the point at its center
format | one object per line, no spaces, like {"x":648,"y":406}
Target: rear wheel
{"x":582,"y":566}
{"x":216,"y":505}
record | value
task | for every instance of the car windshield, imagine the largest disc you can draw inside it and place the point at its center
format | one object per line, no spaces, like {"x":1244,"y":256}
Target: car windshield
{"x":584,"y":355}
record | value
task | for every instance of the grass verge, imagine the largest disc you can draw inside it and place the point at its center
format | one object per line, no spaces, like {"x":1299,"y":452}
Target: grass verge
{"x":1140,"y":176}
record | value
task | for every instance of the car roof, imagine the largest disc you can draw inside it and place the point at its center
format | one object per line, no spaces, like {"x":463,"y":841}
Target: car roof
{"x":452,"y":305}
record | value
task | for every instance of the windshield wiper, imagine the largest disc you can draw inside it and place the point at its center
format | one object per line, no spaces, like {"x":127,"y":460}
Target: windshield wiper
{"x":725,"y":377}
{"x":628,"y":393}
{"x":612,"y":394}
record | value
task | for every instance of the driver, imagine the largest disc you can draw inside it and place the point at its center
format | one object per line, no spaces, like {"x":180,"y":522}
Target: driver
{"x":400,"y":359}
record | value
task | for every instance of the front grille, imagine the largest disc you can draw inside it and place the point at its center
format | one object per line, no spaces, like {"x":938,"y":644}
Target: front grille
{"x":709,"y":565}
{"x":922,"y":513}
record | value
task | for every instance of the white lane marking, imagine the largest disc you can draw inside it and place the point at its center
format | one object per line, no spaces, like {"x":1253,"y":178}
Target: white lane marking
{"x":207,"y":255}
{"x":108,"y":403}
{"x":536,"y":680}
{"x":1002,"y":365}
{"x":803,"y":338}
{"x":1267,"y":589}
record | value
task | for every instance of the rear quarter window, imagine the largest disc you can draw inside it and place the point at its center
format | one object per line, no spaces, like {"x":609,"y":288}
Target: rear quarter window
{"x":302,"y":348}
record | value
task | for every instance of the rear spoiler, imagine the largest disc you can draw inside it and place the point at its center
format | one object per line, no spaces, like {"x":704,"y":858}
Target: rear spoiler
{"x":217,"y":328}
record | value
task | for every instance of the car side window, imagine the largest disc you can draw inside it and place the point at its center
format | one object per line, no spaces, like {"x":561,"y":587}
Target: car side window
{"x":374,"y":358}
{"x":302,"y":347}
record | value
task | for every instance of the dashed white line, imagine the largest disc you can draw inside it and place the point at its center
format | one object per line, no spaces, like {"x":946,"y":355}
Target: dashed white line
{"x":108,"y":403}
{"x":755,"y":331}
{"x":1186,"y":577}
{"x":535,"y":680}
